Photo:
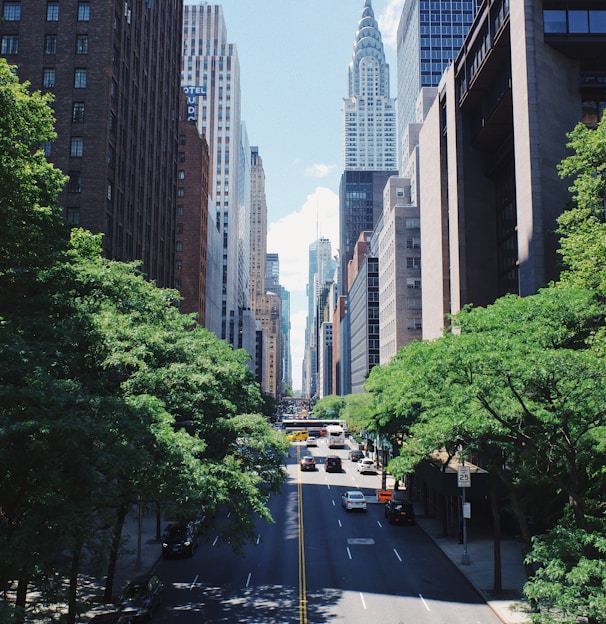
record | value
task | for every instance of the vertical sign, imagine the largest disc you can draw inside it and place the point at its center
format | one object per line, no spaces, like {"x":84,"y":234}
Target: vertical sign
{"x":192,"y":93}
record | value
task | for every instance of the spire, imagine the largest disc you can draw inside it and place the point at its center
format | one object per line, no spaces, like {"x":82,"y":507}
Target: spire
{"x":367,"y":43}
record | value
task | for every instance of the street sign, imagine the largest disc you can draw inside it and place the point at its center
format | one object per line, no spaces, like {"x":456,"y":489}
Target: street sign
{"x":464,"y":476}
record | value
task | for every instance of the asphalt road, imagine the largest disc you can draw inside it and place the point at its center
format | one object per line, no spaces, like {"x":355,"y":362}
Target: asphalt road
{"x":319,"y":563}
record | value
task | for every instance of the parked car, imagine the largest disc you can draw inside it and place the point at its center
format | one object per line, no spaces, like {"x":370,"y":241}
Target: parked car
{"x":311,"y":441}
{"x":333,"y":464}
{"x":399,"y":510}
{"x":140,"y":598}
{"x":366,"y":465}
{"x":353,"y":499}
{"x":180,"y":538}
{"x":356,"y":455}
{"x":308,"y":463}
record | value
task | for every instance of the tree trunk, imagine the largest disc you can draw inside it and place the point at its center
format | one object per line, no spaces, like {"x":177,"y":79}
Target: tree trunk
{"x":72,"y":604}
{"x":20,"y":600}
{"x":497,"y":584}
{"x":522,"y":521}
{"x":114,"y":553}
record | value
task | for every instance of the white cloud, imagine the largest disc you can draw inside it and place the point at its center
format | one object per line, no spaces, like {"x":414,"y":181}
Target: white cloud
{"x":389,"y":20}
{"x":319,"y":170}
{"x":290,"y":238}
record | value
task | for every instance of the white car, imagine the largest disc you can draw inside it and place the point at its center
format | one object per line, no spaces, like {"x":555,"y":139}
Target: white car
{"x":366,"y":465}
{"x":353,"y":499}
{"x":311,"y":441}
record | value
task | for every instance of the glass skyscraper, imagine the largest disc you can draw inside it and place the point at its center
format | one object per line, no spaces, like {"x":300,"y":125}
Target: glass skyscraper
{"x":430,"y":35}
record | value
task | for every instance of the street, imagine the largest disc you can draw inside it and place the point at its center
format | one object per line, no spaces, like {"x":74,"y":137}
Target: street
{"x":319,"y":563}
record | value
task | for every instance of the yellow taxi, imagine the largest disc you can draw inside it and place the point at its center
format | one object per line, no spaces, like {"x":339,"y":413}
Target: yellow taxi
{"x":297,"y":436}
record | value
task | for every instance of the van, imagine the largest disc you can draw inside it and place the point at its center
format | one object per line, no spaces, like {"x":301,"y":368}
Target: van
{"x":333,"y":464}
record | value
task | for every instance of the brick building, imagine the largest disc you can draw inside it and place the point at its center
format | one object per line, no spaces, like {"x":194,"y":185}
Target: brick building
{"x":114,"y":70}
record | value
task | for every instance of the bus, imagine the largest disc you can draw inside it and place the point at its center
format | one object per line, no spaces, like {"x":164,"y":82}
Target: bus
{"x":335,"y":436}
{"x":298,"y":424}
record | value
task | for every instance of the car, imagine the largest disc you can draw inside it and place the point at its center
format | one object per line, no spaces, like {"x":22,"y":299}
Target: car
{"x":356,"y":455}
{"x":180,"y":538}
{"x":311,"y":441}
{"x":399,"y":510}
{"x":297,"y":436}
{"x":366,"y":465}
{"x":316,"y":433}
{"x":140,"y":598}
{"x":308,"y":463}
{"x":353,"y":499}
{"x":333,"y":464}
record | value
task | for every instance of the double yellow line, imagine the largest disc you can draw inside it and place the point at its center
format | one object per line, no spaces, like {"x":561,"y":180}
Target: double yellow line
{"x":302,"y":575}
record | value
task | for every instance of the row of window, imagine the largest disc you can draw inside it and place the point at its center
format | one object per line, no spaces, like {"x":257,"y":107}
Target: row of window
{"x":10,"y":44}
{"x":574,"y":21}
{"x":49,"y":78}
{"x":11,"y":11}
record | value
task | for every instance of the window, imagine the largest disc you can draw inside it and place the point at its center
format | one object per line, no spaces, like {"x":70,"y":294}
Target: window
{"x":414,"y":324}
{"x":46,"y":148}
{"x":10,"y":44}
{"x":48,"y":78}
{"x":413,"y":223}
{"x":80,"y":79}
{"x":12,"y":11}
{"x":181,"y":174}
{"x":75,"y":182}
{"x":179,"y":265}
{"x":179,"y":210}
{"x":77,"y":145}
{"x":78,"y":112}
{"x":180,"y":192}
{"x":413,"y":282}
{"x":179,"y":246}
{"x":109,"y":191}
{"x":82,"y":44}
{"x":413,"y":243}
{"x":413,"y":263}
{"x":181,"y":157}
{"x":83,"y":11}
{"x":73,"y":216}
{"x":179,"y":228}
{"x":50,"y":44}
{"x":52,"y":11}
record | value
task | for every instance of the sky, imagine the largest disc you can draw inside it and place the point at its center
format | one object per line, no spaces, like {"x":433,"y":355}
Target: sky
{"x":294,"y":57}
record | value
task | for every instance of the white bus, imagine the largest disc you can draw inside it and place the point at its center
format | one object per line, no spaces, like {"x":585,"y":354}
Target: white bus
{"x":335,"y":436}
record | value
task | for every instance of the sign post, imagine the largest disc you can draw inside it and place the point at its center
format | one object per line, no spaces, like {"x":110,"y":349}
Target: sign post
{"x":464,"y":481}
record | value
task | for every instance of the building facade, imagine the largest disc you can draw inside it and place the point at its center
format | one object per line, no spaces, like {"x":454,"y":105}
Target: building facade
{"x":490,"y":146}
{"x":113,"y":69}
{"x":210,"y":65}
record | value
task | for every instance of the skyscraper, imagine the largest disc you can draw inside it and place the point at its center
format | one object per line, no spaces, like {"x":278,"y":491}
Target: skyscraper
{"x":370,"y":151}
{"x":211,"y":65}
{"x":430,"y":35}
{"x":114,"y":75}
{"x":369,"y":114}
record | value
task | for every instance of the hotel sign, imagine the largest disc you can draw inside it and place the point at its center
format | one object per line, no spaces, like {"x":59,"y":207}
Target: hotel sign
{"x":192,"y":93}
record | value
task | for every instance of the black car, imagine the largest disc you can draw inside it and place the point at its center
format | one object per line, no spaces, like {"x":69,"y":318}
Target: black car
{"x":399,"y":510}
{"x":356,"y":455}
{"x":140,"y":598}
{"x":332,"y":463}
{"x":180,"y":538}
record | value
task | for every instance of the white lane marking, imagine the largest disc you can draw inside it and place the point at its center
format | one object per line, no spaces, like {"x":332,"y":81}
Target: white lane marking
{"x":362,"y":599}
{"x":349,"y":553}
{"x":379,"y":523}
{"x":193,"y":582}
{"x":258,"y":538}
{"x":340,"y":525}
{"x":333,"y":502}
{"x":215,"y":540}
{"x":423,"y":600}
{"x":248,"y":579}
{"x":397,"y":555}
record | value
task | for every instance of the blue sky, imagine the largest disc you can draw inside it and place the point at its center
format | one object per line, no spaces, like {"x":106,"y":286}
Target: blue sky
{"x":294,"y":56}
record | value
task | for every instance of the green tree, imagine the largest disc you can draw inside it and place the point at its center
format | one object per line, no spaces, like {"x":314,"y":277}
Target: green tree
{"x":328,"y":407}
